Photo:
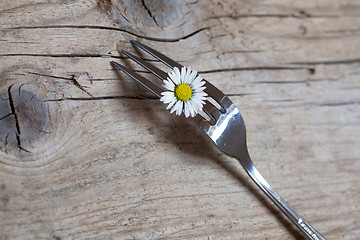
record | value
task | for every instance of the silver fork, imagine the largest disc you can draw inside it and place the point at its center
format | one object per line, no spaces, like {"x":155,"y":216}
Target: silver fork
{"x":225,"y":126}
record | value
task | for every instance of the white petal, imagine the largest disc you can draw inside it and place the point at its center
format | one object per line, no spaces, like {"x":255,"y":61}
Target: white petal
{"x":193,"y":75}
{"x":165,"y":100}
{"x":167,"y":97}
{"x":197,"y":105}
{"x":186,"y":109}
{"x":198,"y":85}
{"x":168,"y":84}
{"x":169,"y":94}
{"x":183,"y":73}
{"x":197,"y":82}
{"x":180,"y":109}
{"x":171,"y":104}
{"x":171,"y":76}
{"x":193,"y":113}
{"x":187,"y":78}
{"x":200,"y":89}
{"x":176,"y":76}
{"x":198,"y":78}
{"x":176,"y":107}
{"x":199,"y":95}
{"x":192,"y":109}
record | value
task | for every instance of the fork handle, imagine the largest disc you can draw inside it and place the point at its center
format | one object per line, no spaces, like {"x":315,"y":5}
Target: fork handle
{"x":299,"y":221}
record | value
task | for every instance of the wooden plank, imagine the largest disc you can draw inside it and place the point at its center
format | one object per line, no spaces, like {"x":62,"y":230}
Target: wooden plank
{"x":86,"y":153}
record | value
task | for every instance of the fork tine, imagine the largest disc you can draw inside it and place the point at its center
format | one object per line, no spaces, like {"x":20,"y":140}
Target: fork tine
{"x":167,"y":61}
{"x":212,"y":111}
{"x":143,"y":81}
{"x":201,"y":122}
{"x":159,"y":73}
{"x":216,"y":94}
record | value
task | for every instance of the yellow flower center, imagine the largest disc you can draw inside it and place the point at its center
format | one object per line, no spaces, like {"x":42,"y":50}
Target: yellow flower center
{"x":183,"y":92}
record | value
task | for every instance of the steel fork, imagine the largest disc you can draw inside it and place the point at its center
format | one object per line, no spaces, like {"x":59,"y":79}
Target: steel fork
{"x":224,"y":125}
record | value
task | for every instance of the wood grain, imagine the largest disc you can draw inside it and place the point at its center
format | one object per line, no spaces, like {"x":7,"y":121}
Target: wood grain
{"x":85,"y":153}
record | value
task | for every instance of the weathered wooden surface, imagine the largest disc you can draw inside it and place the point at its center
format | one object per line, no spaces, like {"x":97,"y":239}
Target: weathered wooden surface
{"x":86,"y":153}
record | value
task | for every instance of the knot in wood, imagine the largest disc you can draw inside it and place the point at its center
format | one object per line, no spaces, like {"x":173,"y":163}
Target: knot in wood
{"x":160,"y":13}
{"x":23,"y":119}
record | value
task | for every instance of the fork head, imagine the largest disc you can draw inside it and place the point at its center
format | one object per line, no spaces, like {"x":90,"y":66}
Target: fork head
{"x":224,"y":124}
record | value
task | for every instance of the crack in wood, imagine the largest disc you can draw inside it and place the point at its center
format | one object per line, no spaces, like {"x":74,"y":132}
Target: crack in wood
{"x":13,"y":112}
{"x":6,"y":139}
{"x":50,"y":76}
{"x":73,"y":79}
{"x":123,"y":16}
{"x":23,"y":6}
{"x":286,"y":100}
{"x":114,"y":29}
{"x":268,"y":68}
{"x":240,"y":94}
{"x":350,"y":30}
{"x":300,"y":14}
{"x":7,"y":115}
{"x":334,"y":62}
{"x":279,"y":82}
{"x":240,"y":51}
{"x":149,"y":12}
{"x":298,"y":81}
{"x":102,"y":98}
{"x":16,"y":119}
{"x":71,"y":55}
{"x":339,"y":104}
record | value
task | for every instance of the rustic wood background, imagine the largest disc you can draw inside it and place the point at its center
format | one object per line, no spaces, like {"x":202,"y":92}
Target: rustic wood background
{"x":85,"y":153}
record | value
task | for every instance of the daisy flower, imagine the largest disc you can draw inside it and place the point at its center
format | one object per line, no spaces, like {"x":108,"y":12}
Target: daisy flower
{"x":184,"y":92}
